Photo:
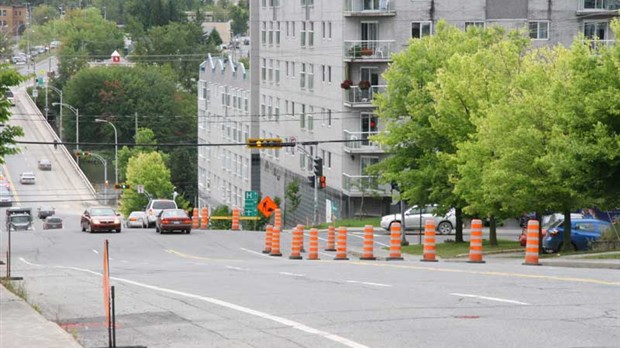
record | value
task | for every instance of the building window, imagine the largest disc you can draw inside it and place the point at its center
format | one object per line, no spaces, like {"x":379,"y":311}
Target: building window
{"x":271,"y":33}
{"x":475,"y":24}
{"x":302,"y":117}
{"x":329,"y":159}
{"x":324,"y":29}
{"x":421,"y":29}
{"x":310,"y":34}
{"x":263,"y":70}
{"x":595,"y":4}
{"x":310,"y":76}
{"x":539,"y":30}
{"x":277,"y":110}
{"x":293,"y":29}
{"x":263,"y":33}
{"x":277,"y":72}
{"x":302,"y":76}
{"x":329,"y":30}
{"x":329,"y":74}
{"x":277,"y":33}
{"x":270,"y":70}
{"x":595,"y":30}
{"x":303,"y":34}
{"x":310,"y":118}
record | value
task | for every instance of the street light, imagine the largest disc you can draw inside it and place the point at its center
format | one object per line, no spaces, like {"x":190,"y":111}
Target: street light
{"x":99,"y":120}
{"x":77,"y":123}
{"x":60,"y":94}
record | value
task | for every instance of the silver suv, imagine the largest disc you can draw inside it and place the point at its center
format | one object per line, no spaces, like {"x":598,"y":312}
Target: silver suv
{"x":415,"y":218}
{"x":155,"y":207}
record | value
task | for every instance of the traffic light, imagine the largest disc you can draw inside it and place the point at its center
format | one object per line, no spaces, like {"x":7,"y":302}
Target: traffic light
{"x":122,"y":186}
{"x":311,"y":179}
{"x":318,"y":167}
{"x":264,"y":143}
{"x":82,"y":154}
{"x":322,"y":182}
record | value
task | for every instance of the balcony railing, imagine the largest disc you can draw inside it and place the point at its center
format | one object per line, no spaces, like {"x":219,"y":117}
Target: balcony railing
{"x":598,"y":6}
{"x":360,"y":142}
{"x":356,"y":96}
{"x":364,"y":185}
{"x":378,"y":50}
{"x":369,"y":8}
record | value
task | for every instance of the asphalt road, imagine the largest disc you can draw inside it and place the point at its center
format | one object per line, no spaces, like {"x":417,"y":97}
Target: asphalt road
{"x":216,"y":289}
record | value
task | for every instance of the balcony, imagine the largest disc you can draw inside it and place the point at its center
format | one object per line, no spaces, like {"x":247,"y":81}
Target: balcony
{"x":364,"y":185}
{"x":369,"y":8}
{"x":603,"y":8}
{"x":360,"y":143}
{"x":357,"y":97}
{"x":369,"y":50}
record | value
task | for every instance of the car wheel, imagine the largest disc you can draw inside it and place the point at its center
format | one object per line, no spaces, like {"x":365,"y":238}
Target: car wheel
{"x":83,"y":228}
{"x":444,"y":227}
{"x":188,"y":231}
{"x":118,"y":231}
{"x":89,"y":228}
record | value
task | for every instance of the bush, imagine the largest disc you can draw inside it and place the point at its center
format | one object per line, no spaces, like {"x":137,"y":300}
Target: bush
{"x":613,"y":233}
{"x":221,"y":210}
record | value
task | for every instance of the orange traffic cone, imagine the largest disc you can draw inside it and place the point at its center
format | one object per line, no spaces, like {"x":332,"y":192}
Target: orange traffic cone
{"x":341,"y":253}
{"x":296,"y":244}
{"x":235,"y":219}
{"x":429,"y":241}
{"x":395,"y":246}
{"x":204,"y":222}
{"x":275,"y":242}
{"x":368,"y":243}
{"x":313,"y":244}
{"x":268,"y":238}
{"x":331,"y":239}
{"x":475,"y":242}
{"x":195,"y":218}
{"x":277,"y":219}
{"x":531,"y":244}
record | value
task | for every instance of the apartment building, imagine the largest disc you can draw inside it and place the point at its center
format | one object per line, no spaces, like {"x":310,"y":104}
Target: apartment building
{"x":317,"y":66}
{"x":13,"y":19}
{"x":224,"y":172}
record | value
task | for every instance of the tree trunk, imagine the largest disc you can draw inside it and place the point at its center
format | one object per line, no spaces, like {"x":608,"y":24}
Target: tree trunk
{"x":492,"y":231}
{"x":566,"y":241}
{"x":458,"y":212}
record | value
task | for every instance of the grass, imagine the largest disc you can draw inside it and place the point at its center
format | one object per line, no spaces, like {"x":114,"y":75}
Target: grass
{"x":360,"y":222}
{"x":20,"y":291}
{"x":614,"y":256}
{"x":453,"y":249}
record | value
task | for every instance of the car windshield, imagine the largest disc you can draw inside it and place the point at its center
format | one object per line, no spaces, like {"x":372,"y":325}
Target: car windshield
{"x":174,"y":213}
{"x":102,"y":211}
{"x":164,"y":205}
{"x":20,"y":219}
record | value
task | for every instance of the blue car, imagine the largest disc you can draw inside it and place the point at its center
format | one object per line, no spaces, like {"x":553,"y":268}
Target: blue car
{"x":583,"y":231}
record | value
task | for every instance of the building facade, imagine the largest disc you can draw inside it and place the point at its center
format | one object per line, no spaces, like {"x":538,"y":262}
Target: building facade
{"x":224,"y":172}
{"x":13,"y":19}
{"x":318,"y":64}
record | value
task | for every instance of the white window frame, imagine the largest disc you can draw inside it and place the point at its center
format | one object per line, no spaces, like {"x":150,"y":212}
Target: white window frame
{"x":422,"y":24}
{"x":539,"y":25}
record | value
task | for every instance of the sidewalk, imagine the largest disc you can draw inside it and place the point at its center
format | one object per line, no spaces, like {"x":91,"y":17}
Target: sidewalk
{"x":23,"y":327}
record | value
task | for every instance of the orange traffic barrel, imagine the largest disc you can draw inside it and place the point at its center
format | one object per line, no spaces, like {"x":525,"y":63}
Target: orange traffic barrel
{"x":341,"y":249}
{"x":277,"y":219}
{"x":475,"y":242}
{"x":429,"y":241}
{"x":204,"y":221}
{"x":301,"y":245}
{"x":235,"y":219}
{"x":313,"y":244}
{"x":268,"y":238}
{"x":531,"y":244}
{"x":369,"y":243}
{"x":395,"y":242}
{"x":195,"y":224}
{"x":296,"y":244}
{"x":275,"y":242}
{"x":331,"y":239}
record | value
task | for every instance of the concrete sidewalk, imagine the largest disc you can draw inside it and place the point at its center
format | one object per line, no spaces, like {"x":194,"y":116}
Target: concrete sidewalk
{"x":23,"y":327}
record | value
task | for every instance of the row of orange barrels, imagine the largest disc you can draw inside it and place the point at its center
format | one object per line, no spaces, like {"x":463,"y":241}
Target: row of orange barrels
{"x":202,"y":220}
{"x":337,"y":241}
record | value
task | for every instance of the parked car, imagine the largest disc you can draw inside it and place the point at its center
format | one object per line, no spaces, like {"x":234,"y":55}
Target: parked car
{"x":547,"y":222}
{"x":100,"y":219}
{"x":27,"y":178}
{"x":155,"y":206}
{"x":52,"y":222}
{"x":45,"y":211}
{"x":6,"y":199}
{"x":10,"y":97}
{"x":45,"y":164}
{"x":415,"y":219}
{"x":173,"y":220}
{"x":583,"y":231}
{"x":136,"y":219}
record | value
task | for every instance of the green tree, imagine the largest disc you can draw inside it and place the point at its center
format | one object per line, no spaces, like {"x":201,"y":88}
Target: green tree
{"x":292,"y":199}
{"x":150,"y":170}
{"x":8,"y":77}
{"x":240,"y":18}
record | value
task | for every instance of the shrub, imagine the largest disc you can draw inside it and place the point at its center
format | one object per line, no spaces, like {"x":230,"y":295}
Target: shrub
{"x":221,"y":210}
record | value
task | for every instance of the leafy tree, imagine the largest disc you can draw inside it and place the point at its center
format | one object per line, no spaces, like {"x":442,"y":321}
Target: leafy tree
{"x":214,"y":38}
{"x":152,"y":13}
{"x":292,"y":199}
{"x":148,"y":169}
{"x":8,"y":77}
{"x":240,"y":17}
{"x":221,"y":210}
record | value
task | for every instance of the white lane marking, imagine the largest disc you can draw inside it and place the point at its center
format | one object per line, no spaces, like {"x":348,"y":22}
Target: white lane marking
{"x":368,"y":283}
{"x":362,"y":237}
{"x":293,"y":324}
{"x":254,"y":252}
{"x":293,"y":274}
{"x":95,"y":251}
{"x":491,"y":298}
{"x":237,"y":268}
{"x":26,"y":262}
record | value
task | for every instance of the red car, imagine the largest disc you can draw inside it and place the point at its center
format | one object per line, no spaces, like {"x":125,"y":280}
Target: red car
{"x":100,"y":219}
{"x":173,"y":220}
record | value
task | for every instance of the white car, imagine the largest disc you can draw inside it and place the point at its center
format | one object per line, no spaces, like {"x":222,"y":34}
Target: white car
{"x":27,"y":178}
{"x":415,"y":219}
{"x":136,"y":219}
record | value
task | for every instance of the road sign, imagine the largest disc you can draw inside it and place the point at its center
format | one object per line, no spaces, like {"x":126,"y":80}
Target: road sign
{"x":250,"y":211}
{"x":267,"y":206}
{"x":140,"y":188}
{"x":35,"y":93}
{"x":251,"y":196}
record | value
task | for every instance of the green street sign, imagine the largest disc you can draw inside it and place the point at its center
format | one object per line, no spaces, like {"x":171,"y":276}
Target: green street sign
{"x":251,"y":196}
{"x":250,"y":211}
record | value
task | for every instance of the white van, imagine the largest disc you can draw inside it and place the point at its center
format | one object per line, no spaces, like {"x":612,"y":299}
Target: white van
{"x":155,"y":207}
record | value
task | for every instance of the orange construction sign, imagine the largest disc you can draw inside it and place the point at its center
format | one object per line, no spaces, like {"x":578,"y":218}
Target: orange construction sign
{"x":267,"y":206}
